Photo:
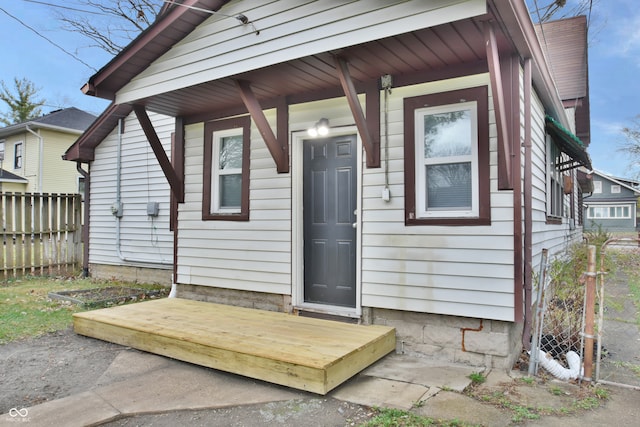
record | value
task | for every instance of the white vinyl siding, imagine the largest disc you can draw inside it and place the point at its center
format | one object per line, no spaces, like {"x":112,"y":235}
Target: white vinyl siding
{"x":144,"y":240}
{"x":252,"y":255}
{"x":463,"y":271}
{"x":555,"y":237}
{"x":288,"y":29}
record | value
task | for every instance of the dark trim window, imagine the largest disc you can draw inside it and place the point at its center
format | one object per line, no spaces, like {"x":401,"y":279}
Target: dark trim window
{"x":447,"y":158}
{"x":226,"y":170}
{"x":17,"y":155}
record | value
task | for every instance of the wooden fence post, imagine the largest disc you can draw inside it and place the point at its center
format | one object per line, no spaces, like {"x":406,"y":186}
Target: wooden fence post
{"x":589,"y":316}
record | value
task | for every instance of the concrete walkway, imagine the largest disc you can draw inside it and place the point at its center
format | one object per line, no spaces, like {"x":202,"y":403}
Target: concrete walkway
{"x":139,"y":383}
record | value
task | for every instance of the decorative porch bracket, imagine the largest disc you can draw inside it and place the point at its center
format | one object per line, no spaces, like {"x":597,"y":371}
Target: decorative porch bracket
{"x":176,"y":184}
{"x":505,"y":174}
{"x":278,"y":147}
{"x":371,"y":146}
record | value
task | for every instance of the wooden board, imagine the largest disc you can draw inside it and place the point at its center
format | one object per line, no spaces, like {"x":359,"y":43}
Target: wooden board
{"x":303,"y":353}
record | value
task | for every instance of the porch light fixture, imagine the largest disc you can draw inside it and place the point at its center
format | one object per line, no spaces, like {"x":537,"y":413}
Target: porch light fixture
{"x":320,"y":129}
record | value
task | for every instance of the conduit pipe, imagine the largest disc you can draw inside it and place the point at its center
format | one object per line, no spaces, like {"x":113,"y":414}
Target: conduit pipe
{"x":119,"y":203}
{"x":40,"y":154}
{"x":85,"y":228}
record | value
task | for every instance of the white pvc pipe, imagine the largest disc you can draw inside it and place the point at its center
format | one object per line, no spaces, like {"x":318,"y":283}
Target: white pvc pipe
{"x":559,"y":371}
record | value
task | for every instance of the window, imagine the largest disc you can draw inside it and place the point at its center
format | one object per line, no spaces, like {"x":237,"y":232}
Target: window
{"x":615,"y":189}
{"x":226,"y":170}
{"x":609,"y":212}
{"x":1,"y":150}
{"x":597,"y":187}
{"x":555,"y":180}
{"x":447,"y":158}
{"x":17,"y":155}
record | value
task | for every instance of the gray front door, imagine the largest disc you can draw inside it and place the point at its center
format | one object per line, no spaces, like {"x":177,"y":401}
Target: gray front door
{"x":329,"y":197}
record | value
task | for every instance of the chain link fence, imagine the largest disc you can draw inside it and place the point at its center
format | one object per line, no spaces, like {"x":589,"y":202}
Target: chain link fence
{"x":577,"y":331}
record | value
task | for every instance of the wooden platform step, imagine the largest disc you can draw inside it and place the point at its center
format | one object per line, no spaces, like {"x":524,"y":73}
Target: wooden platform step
{"x":304,"y":353}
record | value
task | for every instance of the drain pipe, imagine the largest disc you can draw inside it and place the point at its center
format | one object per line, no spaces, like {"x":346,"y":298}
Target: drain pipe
{"x":117,"y":209}
{"x":528,"y":205}
{"x":85,"y":228}
{"x":40,"y":154}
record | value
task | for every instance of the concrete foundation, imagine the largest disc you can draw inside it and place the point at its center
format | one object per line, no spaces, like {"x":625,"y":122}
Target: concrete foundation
{"x":247,"y":299}
{"x":477,"y":342}
{"x":131,"y":274}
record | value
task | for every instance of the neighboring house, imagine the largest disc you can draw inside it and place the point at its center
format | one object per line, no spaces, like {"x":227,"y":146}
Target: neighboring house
{"x":32,"y":152}
{"x":401,"y":163}
{"x":12,"y":183}
{"x":613,"y":204}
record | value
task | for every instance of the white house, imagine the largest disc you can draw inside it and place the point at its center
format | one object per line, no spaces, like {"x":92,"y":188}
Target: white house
{"x":394,"y":162}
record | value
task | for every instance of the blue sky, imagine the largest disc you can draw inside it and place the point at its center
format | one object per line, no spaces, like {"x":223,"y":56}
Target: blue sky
{"x":614,"y":67}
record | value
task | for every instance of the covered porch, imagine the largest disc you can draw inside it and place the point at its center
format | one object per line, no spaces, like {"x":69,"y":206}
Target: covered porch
{"x":304,"y":353}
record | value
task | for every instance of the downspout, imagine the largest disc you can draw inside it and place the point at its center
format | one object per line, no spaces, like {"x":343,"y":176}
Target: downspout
{"x":118,"y":215}
{"x":85,"y":228}
{"x":40,"y":154}
{"x":528,"y":215}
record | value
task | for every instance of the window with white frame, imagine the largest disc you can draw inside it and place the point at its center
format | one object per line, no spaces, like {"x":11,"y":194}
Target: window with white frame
{"x":446,"y":158}
{"x":1,"y":150}
{"x":609,"y":212}
{"x":555,"y":181}
{"x":615,"y":189}
{"x":17,"y":155}
{"x":226,"y":170}
{"x":597,"y":187}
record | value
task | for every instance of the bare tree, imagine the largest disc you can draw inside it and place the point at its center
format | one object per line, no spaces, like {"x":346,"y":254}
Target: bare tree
{"x":631,"y":145}
{"x":109,"y":24}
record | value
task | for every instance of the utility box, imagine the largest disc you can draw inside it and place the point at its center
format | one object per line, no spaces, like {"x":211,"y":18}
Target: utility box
{"x":116,"y":209}
{"x":153,"y":208}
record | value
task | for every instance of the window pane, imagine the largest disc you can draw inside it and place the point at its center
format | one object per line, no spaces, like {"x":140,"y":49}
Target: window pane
{"x":230,"y":190}
{"x":231,"y":152}
{"x":448,"y":186}
{"x":447,"y":134}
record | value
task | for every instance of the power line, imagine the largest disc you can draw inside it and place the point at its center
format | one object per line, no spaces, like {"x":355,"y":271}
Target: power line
{"x":65,"y":7}
{"x":47,"y":39}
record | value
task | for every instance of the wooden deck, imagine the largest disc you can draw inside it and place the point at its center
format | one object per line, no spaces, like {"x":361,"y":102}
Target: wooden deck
{"x":299,"y":352}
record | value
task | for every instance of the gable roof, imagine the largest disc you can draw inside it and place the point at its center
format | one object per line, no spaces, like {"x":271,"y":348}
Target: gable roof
{"x":564,"y":43}
{"x":465,"y":45}
{"x":70,"y":120}
{"x":6,"y":176}
{"x":618,"y":181}
{"x":83,"y":148}
{"x":171,"y":26}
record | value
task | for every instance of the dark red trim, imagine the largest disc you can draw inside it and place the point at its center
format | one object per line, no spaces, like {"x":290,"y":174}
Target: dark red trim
{"x":478,"y":94}
{"x":174,"y":182}
{"x":505,"y":172}
{"x":373,"y":155}
{"x":209,"y":129}
{"x":279,"y":148}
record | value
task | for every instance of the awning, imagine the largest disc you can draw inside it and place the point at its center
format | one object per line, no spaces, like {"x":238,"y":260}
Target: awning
{"x":568,"y":144}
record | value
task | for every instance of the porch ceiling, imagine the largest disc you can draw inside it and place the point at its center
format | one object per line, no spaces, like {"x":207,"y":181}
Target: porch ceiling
{"x":436,"y":51}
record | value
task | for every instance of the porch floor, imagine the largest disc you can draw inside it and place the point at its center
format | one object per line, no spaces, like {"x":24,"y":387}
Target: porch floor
{"x":299,"y":352}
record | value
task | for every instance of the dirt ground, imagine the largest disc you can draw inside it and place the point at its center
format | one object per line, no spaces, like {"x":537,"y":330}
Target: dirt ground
{"x":50,"y":367}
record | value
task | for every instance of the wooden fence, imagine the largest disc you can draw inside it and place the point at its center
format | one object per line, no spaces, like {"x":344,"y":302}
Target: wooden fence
{"x":41,"y":234}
